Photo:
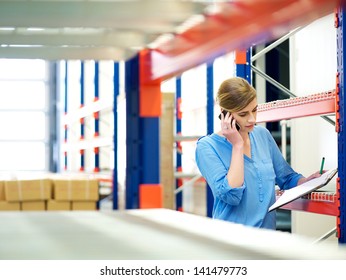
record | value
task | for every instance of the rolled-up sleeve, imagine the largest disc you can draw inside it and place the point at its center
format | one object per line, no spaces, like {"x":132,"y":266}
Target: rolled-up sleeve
{"x":228,"y":194}
{"x":214,"y":171}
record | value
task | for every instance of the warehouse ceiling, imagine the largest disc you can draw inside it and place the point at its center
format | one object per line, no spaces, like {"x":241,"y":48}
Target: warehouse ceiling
{"x":118,"y":29}
{"x":94,"y":29}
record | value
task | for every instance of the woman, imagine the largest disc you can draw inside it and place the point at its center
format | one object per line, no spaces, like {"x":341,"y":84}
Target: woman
{"x":242,"y":165}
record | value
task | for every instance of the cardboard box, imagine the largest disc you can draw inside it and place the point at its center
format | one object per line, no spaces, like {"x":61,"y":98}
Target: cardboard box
{"x":33,"y":206}
{"x":28,"y":190}
{"x":84,"y":205}
{"x":53,"y":205}
{"x":76,"y":189}
{"x":2,"y":190}
{"x":9,"y":206}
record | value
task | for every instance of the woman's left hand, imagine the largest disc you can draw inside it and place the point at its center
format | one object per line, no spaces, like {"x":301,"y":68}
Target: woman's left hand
{"x":312,"y":176}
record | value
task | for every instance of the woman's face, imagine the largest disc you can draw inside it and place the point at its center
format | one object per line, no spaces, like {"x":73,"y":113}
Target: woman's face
{"x":246,"y":118}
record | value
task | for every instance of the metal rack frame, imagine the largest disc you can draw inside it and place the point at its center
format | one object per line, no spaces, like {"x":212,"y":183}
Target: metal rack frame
{"x":340,"y":24}
{"x":220,"y":31}
{"x":96,"y":142}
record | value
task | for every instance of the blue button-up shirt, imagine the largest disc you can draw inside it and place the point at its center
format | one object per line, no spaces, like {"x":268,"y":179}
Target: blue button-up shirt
{"x":249,"y":203}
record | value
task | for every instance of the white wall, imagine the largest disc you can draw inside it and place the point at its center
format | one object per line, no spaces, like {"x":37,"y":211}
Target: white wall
{"x":313,"y":70}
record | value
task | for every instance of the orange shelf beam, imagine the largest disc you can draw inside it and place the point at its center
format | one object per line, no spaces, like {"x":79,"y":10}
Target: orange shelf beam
{"x":307,"y":205}
{"x":297,"y":107}
{"x":316,"y":202}
{"x":229,"y":26}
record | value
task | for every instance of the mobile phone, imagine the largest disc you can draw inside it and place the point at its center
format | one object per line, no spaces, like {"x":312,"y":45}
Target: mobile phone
{"x":236,"y":124}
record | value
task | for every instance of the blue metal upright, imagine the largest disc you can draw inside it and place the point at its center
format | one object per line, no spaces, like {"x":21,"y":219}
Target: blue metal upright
{"x":97,"y":117}
{"x":133,"y":139}
{"x":82,"y":84}
{"x":179,"y":196}
{"x":115,"y":135}
{"x":340,"y":125}
{"x":142,"y":139}
{"x":97,"y":80}
{"x":65,"y":112}
{"x":82,"y":125}
{"x":150,"y":147}
{"x":243,"y":68}
{"x":210,"y":125}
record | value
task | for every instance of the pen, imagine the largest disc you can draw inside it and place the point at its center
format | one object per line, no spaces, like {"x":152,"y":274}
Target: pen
{"x":322,"y":164}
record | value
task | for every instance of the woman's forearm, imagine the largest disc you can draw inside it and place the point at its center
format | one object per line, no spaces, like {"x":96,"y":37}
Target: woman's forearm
{"x":235,"y":175}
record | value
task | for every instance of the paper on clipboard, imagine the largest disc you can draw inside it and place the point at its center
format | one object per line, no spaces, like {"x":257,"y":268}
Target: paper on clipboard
{"x":303,"y":189}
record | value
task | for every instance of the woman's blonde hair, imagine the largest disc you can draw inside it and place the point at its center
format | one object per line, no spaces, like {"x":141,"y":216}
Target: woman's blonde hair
{"x":235,"y":94}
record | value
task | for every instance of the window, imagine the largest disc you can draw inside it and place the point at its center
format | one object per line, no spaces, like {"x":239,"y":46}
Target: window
{"x":24,"y":115}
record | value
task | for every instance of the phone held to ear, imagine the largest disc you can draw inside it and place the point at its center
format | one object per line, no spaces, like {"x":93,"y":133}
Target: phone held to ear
{"x":224,"y":114}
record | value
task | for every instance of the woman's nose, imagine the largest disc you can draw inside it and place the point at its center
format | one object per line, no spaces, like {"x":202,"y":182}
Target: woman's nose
{"x":252,"y":118}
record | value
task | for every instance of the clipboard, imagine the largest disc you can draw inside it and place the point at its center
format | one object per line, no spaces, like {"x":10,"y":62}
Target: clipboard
{"x":303,"y":189}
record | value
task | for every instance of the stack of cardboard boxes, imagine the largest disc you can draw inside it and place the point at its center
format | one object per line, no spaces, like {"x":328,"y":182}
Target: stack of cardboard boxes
{"x":74,"y":193}
{"x":57,"y":192}
{"x":4,"y":204}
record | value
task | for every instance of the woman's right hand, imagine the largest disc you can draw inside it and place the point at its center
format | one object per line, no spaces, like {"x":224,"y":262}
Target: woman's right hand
{"x":229,"y":130}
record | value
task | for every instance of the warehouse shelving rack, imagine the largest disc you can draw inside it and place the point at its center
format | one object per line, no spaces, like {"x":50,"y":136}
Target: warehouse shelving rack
{"x":184,"y":179}
{"x":311,"y":105}
{"x":180,"y":175}
{"x":319,"y":104}
{"x":340,"y":24}
{"x":92,"y":109}
{"x":221,"y":30}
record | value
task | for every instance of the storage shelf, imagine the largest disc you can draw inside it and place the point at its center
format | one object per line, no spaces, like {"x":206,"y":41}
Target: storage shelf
{"x":86,"y":144}
{"x":86,"y":111}
{"x":230,"y":26}
{"x":297,"y":107}
{"x":320,"y":202}
{"x":103,"y":176}
{"x":181,"y":138}
{"x":311,"y":105}
{"x":314,"y":206}
{"x":103,"y":235}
